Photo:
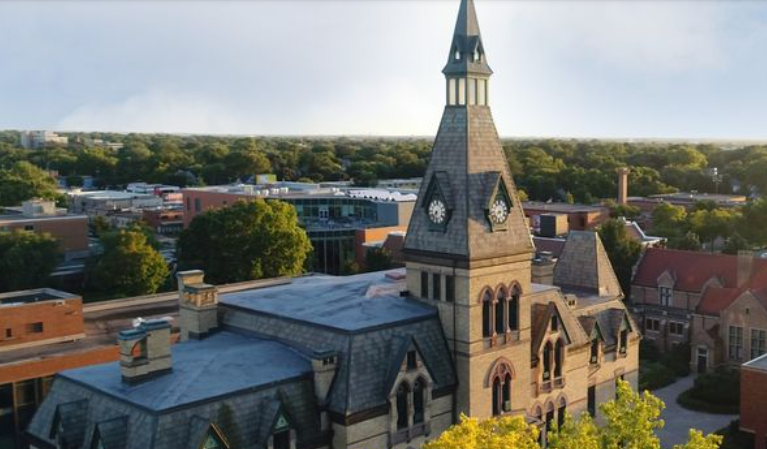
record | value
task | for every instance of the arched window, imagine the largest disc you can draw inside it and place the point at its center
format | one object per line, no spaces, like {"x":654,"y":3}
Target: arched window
{"x":507,"y":393}
{"x":549,"y":417}
{"x":419,"y":391}
{"x":500,"y":312}
{"x":559,"y":355}
{"x":457,"y":55}
{"x":547,"y":361}
{"x":496,"y":396}
{"x":487,"y":314}
{"x":594,"y":359}
{"x":514,"y":309}
{"x":402,"y":394}
{"x":561,"y":413}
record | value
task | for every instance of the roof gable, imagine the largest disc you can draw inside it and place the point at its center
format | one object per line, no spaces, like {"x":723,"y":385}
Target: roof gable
{"x":584,"y":265}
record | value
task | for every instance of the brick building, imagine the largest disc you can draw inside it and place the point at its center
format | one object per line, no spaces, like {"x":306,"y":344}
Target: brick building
{"x":378,"y":360}
{"x":70,"y":230}
{"x":714,"y":302}
{"x":753,"y":396}
{"x":580,"y":217}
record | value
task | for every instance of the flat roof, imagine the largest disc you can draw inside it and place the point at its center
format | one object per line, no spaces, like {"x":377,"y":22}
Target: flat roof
{"x":561,"y":207}
{"x":349,"y":303}
{"x":372,"y":194}
{"x":221,"y":364}
{"x":30,"y":296}
{"x":759,"y":363}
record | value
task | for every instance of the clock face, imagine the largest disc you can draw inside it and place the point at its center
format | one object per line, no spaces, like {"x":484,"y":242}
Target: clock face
{"x":437,"y":211}
{"x":499,"y":211}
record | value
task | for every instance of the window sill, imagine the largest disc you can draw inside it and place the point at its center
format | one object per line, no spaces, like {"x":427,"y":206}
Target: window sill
{"x":407,"y":435}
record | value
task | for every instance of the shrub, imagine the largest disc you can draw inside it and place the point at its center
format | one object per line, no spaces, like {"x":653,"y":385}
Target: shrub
{"x":655,"y":375}
{"x":717,"y":392}
{"x":649,"y":351}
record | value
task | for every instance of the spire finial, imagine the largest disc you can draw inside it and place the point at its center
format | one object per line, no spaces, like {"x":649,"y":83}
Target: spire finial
{"x":467,"y":54}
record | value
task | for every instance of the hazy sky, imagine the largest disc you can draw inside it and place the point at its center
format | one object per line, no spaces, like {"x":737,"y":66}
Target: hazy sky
{"x":569,"y":68}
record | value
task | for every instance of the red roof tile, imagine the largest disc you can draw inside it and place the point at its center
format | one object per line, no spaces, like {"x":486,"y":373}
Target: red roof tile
{"x":692,"y":269}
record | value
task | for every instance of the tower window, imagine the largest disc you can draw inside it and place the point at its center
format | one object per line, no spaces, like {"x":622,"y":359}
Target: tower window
{"x":500,"y":312}
{"x":449,"y":288}
{"x":436,"y":289}
{"x":477,"y":56}
{"x":487,"y":315}
{"x":457,"y":55}
{"x":424,"y":284}
{"x":514,"y":309}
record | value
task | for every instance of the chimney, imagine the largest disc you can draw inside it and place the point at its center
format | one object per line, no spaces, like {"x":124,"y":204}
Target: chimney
{"x":623,"y":186}
{"x":198,"y":305}
{"x":745,"y":267}
{"x":145,"y":351}
{"x":324,"y":365}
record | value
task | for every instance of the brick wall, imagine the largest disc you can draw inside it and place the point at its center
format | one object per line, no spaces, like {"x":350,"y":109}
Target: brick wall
{"x":35,"y":322}
{"x":753,"y":396}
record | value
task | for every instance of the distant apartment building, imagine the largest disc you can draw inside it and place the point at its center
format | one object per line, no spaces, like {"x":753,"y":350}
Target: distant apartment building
{"x":39,"y":216}
{"x":331,"y":216}
{"x":33,"y":140}
{"x":717,"y":303}
{"x":580,"y":217}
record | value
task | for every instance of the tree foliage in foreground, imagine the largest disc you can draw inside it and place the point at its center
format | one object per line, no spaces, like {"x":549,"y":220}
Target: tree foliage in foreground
{"x":26,"y":259}
{"x":129,"y":265}
{"x":248,"y":240}
{"x":631,"y":422}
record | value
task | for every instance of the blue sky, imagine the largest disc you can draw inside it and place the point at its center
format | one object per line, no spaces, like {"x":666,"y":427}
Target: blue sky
{"x":604,"y":68}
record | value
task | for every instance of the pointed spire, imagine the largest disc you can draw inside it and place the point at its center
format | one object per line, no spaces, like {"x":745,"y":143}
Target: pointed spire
{"x":467,"y":54}
{"x":467,"y":24}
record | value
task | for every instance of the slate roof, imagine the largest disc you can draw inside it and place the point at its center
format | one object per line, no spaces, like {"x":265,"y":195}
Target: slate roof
{"x":466,"y":38}
{"x":351,"y":303}
{"x":583,"y":264}
{"x":467,"y":148}
{"x":222,"y":364}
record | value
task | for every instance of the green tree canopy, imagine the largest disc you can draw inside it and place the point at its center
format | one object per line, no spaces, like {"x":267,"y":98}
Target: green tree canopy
{"x":247,"y":240}
{"x":378,"y":259}
{"x":622,"y":250}
{"x":26,"y":259}
{"x":129,"y":266}
{"x":24,"y":181}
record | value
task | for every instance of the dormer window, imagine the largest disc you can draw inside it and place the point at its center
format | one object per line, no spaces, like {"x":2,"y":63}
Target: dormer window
{"x":412,"y":362}
{"x":477,"y":56}
{"x":594,"y":359}
{"x":666,"y":296}
{"x":457,"y":55}
{"x":554,"y":323}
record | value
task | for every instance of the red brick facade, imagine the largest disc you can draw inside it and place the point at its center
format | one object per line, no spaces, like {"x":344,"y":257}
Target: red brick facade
{"x":46,"y":320}
{"x":753,"y":397}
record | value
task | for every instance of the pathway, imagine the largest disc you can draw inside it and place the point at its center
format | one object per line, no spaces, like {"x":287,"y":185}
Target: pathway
{"x":680,"y":420}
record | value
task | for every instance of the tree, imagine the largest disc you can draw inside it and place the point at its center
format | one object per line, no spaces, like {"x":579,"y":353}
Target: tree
{"x":378,"y":259}
{"x":24,"y":181}
{"x":669,"y":221}
{"x":622,"y":250}
{"x":247,"y":240}
{"x":631,"y":422}
{"x":709,"y":224}
{"x":26,"y":259}
{"x":497,"y":433}
{"x":623,"y":210}
{"x":129,"y":266}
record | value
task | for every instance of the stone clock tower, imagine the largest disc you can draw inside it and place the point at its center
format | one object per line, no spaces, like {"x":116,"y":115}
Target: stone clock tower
{"x":468,"y":248}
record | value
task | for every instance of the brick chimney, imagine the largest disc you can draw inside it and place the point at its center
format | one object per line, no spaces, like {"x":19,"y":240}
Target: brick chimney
{"x":623,"y":186}
{"x":145,"y":351}
{"x":198,"y":305}
{"x":745,"y":267}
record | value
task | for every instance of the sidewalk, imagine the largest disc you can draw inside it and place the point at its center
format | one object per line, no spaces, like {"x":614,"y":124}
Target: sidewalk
{"x":679,"y":420}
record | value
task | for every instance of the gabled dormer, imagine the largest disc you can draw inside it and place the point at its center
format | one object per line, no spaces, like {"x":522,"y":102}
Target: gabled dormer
{"x":438,"y":202}
{"x":498,"y":203}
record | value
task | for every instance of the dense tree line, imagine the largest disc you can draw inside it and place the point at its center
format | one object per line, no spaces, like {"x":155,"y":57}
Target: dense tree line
{"x":560,"y":170}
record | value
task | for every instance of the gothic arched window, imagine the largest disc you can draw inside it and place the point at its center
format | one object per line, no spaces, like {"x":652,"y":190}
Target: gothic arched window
{"x":500,"y":312}
{"x":419,"y":393}
{"x":561,"y":413}
{"x":559,"y":356}
{"x":402,"y":394}
{"x":547,"y":361}
{"x":506,"y":406}
{"x":497,"y":396}
{"x":487,"y":314}
{"x":514,"y":309}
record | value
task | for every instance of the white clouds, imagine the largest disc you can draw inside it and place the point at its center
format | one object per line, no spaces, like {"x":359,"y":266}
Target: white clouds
{"x":156,"y":110}
{"x":578,"y":68}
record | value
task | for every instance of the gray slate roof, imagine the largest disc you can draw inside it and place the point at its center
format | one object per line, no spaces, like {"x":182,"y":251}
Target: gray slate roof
{"x":222,"y":364}
{"x":584,"y":265}
{"x":466,"y":38}
{"x":467,"y":149}
{"x":351,"y":304}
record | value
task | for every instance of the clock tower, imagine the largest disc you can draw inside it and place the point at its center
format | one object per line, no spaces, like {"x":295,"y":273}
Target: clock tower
{"x":468,"y":248}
